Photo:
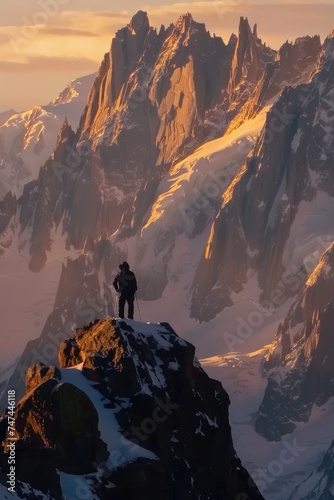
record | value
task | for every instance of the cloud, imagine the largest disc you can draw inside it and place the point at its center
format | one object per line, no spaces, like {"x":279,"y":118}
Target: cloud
{"x":97,"y":22}
{"x":49,"y":64}
{"x":114,"y":15}
{"x":66,"y":32}
{"x":3,"y":38}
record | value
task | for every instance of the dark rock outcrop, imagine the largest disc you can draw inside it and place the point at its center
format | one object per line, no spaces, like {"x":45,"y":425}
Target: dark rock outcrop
{"x":36,"y":374}
{"x":56,"y":427}
{"x":163,"y":402}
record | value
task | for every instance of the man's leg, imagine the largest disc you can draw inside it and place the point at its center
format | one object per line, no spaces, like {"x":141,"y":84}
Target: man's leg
{"x":131,"y":306}
{"x":121,"y":304}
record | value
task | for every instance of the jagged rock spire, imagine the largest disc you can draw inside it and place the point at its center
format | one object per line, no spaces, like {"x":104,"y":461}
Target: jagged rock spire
{"x":139,"y":22}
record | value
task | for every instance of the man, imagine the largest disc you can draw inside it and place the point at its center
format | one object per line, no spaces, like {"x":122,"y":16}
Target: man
{"x":125,"y":284}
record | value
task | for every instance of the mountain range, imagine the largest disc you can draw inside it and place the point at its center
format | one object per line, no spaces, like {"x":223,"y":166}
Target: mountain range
{"x":208,"y":166}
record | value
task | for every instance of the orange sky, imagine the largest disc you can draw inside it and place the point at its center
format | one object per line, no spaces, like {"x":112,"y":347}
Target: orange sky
{"x":46,"y":43}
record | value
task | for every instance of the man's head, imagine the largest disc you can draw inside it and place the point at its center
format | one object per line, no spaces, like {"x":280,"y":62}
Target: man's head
{"x":124,"y":267}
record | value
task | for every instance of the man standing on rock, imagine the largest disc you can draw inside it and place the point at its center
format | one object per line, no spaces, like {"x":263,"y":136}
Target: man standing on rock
{"x":125,"y":284}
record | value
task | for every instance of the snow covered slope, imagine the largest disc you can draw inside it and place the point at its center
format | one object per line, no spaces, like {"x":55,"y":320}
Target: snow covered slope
{"x":5,"y":115}
{"x":279,"y":466}
{"x":27,"y":139}
{"x":320,"y":483}
{"x":70,"y":103}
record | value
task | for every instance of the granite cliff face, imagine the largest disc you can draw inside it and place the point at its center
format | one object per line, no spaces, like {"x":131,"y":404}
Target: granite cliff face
{"x":151,"y":93}
{"x":289,"y":166}
{"x":129,"y":409}
{"x":300,"y":363}
{"x":293,"y":64}
{"x":156,"y":97}
{"x":248,"y":65}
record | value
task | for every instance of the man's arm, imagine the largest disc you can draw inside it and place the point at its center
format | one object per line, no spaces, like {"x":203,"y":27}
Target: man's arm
{"x":115,"y":283}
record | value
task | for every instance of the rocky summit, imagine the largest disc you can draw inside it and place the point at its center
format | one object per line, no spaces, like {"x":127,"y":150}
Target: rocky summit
{"x":129,"y":413}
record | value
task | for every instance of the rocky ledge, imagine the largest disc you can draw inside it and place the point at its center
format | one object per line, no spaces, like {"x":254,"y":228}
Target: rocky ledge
{"x":129,"y":413}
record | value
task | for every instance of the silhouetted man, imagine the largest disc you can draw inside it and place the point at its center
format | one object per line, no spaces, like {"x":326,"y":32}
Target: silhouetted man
{"x":125,"y":284}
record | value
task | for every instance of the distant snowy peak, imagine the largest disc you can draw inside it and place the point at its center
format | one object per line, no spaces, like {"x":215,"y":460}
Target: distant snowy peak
{"x":72,"y":100}
{"x":27,"y":139}
{"x":5,"y":115}
{"x":26,"y":142}
{"x":75,"y":89}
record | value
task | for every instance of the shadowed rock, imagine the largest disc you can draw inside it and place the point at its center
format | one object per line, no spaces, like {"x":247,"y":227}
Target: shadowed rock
{"x":163,"y":402}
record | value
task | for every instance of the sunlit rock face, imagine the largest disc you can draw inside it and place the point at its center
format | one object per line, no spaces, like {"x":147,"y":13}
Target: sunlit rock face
{"x":300,"y":362}
{"x":293,"y":64}
{"x":289,"y":167}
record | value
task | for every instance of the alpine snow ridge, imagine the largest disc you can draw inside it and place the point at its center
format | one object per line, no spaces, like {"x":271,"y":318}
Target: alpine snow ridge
{"x":27,"y":139}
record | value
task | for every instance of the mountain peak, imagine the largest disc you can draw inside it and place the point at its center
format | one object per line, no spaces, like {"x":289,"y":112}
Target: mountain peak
{"x":250,"y":55}
{"x":139,"y":22}
{"x":243,"y":23}
{"x":186,"y":17}
{"x":324,"y":269}
{"x":331,"y":34}
{"x":186,"y":21}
